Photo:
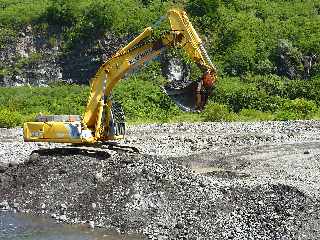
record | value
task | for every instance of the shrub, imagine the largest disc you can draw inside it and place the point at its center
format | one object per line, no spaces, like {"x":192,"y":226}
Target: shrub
{"x":9,"y":118}
{"x":96,"y":19}
{"x":201,"y":8}
{"x":307,"y":89}
{"x":142,"y":99}
{"x":239,"y":95}
{"x":253,"y":115}
{"x":66,"y":99}
{"x":61,"y":12}
{"x":238,"y":61}
{"x":271,"y":84}
{"x":20,"y":13}
{"x":264,"y":66}
{"x":316,"y":116}
{"x":186,"y":117}
{"x":216,"y":112}
{"x":285,"y":116}
{"x":297,"y":109}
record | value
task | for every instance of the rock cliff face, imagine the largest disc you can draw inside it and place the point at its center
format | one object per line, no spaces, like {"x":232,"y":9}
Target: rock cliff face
{"x":35,"y":57}
{"x":29,"y":58}
{"x":38,"y":58}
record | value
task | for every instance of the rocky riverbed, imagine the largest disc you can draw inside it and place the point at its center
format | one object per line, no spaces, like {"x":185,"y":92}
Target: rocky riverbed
{"x":189,"y":181}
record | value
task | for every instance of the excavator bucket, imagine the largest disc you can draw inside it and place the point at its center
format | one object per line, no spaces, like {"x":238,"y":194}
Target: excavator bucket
{"x":184,"y":97}
{"x":193,"y":95}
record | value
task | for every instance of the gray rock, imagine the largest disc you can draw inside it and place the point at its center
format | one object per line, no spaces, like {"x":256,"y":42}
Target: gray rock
{"x":33,"y":157}
{"x":3,"y":167}
{"x":63,"y":206}
{"x":62,"y":218}
{"x":4,"y":205}
{"x":91,"y":224}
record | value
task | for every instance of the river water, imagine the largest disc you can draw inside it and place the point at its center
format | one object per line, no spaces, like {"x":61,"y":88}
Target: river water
{"x":15,"y":226}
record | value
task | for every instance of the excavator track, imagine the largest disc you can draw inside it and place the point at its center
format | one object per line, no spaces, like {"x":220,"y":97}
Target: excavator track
{"x":99,"y":150}
{"x":105,"y":146}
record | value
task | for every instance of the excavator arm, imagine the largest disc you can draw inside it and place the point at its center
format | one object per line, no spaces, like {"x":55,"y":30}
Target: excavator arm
{"x":98,"y":121}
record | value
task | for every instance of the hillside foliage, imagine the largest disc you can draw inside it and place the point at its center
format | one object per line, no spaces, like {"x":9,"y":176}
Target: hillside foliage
{"x":267,"y":54}
{"x":247,"y":36}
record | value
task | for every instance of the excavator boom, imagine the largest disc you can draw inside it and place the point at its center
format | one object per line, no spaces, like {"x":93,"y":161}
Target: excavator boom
{"x":103,"y":119}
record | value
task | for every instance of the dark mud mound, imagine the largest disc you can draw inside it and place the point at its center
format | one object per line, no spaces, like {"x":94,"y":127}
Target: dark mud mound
{"x":156,"y":197}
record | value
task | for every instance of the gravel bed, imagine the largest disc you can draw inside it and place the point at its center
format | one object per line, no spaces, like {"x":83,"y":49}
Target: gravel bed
{"x":189,"y":181}
{"x":181,"y":139}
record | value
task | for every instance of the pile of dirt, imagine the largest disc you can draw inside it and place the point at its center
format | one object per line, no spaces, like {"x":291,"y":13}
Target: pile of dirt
{"x":157,"y":196}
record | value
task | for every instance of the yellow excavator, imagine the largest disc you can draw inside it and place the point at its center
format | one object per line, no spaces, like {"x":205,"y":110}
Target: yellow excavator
{"x":103,"y":119}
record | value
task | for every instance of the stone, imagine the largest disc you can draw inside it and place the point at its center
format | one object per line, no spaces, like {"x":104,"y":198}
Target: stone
{"x":4,"y":205}
{"x":3,"y":167}
{"x":62,"y":218}
{"x":16,"y":206}
{"x":63,"y":206}
{"x":91,"y":224}
{"x":33,"y":157}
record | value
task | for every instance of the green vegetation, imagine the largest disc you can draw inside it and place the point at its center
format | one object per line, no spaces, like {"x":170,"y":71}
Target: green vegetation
{"x":143,"y":101}
{"x":267,"y":54}
{"x":21,"y":12}
{"x":24,"y":103}
{"x":9,"y":118}
{"x":247,"y":36}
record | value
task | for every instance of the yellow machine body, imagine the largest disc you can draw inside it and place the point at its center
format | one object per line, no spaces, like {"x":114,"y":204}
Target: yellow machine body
{"x":63,"y":132}
{"x":103,"y":120}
